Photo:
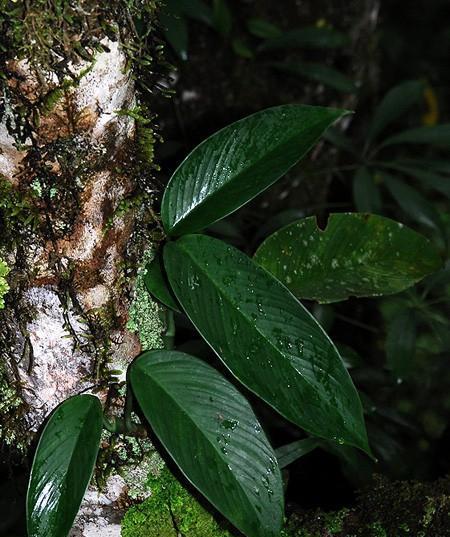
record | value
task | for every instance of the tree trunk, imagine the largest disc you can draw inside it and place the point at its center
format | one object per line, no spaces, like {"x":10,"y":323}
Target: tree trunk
{"x":75,"y":208}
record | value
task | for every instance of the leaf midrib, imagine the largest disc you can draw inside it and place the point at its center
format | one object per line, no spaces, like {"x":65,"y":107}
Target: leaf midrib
{"x":197,"y":427}
{"x":251,"y":323}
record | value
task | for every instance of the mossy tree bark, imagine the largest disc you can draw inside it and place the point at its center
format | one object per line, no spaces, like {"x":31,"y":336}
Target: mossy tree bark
{"x":76,"y":195}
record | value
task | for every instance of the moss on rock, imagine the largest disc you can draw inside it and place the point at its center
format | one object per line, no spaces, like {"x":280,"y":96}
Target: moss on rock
{"x":170,"y":511}
{"x":387,"y":509}
{"x":145,"y":315}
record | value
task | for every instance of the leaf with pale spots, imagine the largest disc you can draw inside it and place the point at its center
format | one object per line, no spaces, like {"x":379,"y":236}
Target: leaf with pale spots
{"x":267,"y":339}
{"x":63,"y":466}
{"x":213,"y":435}
{"x":355,"y":255}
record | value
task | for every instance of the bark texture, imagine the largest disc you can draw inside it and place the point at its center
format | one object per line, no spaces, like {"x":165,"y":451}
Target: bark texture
{"x":76,"y":190}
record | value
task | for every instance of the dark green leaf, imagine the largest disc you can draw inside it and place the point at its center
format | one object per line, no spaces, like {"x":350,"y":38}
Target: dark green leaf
{"x":238,"y":162}
{"x":439,"y":279}
{"x":428,"y":178}
{"x":291,"y":452}
{"x":195,"y":9}
{"x":213,"y":435}
{"x":156,"y":284}
{"x":436,"y":165}
{"x":366,"y":193}
{"x":262,"y":28}
{"x":438,"y":135}
{"x":318,"y":72}
{"x":267,"y":339}
{"x":395,"y":103}
{"x":400,"y":344}
{"x":413,"y":203}
{"x":340,"y":140}
{"x":176,"y":32}
{"x":222,"y":19}
{"x":356,"y":255}
{"x":309,"y":37}
{"x":349,"y":356}
{"x":242,"y":49}
{"x":63,"y":466}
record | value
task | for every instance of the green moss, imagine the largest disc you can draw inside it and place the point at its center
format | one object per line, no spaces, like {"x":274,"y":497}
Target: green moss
{"x":11,"y":409}
{"x":51,"y":34}
{"x":145,"y":315}
{"x":386,"y":509}
{"x":171,"y":510}
{"x":4,"y":287}
{"x":18,"y":217}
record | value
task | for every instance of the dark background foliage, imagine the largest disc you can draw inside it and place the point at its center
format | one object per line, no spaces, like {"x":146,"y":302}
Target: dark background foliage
{"x":217,"y":81}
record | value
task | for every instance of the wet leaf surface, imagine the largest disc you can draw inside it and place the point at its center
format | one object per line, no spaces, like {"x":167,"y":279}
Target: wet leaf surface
{"x":356,"y":255}
{"x":268,"y":340}
{"x":63,"y":466}
{"x":213,"y":435}
{"x":235,"y":164}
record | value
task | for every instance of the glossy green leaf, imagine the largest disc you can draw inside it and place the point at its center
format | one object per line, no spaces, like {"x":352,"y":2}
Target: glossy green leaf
{"x":400,"y":343}
{"x":262,"y":28}
{"x":235,"y":164}
{"x":319,"y":73}
{"x":356,"y":255}
{"x":291,"y":452}
{"x":156,"y":284}
{"x":63,"y":466}
{"x":395,"y":103}
{"x":267,"y":339}
{"x":413,"y":203}
{"x":438,"y":135}
{"x":308,"y":37}
{"x":366,"y":193}
{"x":211,"y":432}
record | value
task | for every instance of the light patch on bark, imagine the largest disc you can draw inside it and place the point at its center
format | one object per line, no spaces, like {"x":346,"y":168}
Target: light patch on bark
{"x":10,"y":156}
{"x":57,"y":370}
{"x":105,"y":90}
{"x":99,"y":515}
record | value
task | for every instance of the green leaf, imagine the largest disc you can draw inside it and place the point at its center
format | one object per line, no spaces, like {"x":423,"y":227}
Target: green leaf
{"x":195,"y":9}
{"x":175,"y":31}
{"x":237,"y":163}
{"x":400,"y":343}
{"x":413,"y":203}
{"x":428,"y":178}
{"x":309,"y":37}
{"x":318,"y":72}
{"x":291,"y":452}
{"x":356,"y":255}
{"x":241,"y":49}
{"x":222,"y":18}
{"x":366,"y":193}
{"x":63,"y":466}
{"x":267,"y":339}
{"x":438,"y":135}
{"x":395,"y":103}
{"x":211,"y":432}
{"x":262,"y":28}
{"x":156,"y":284}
